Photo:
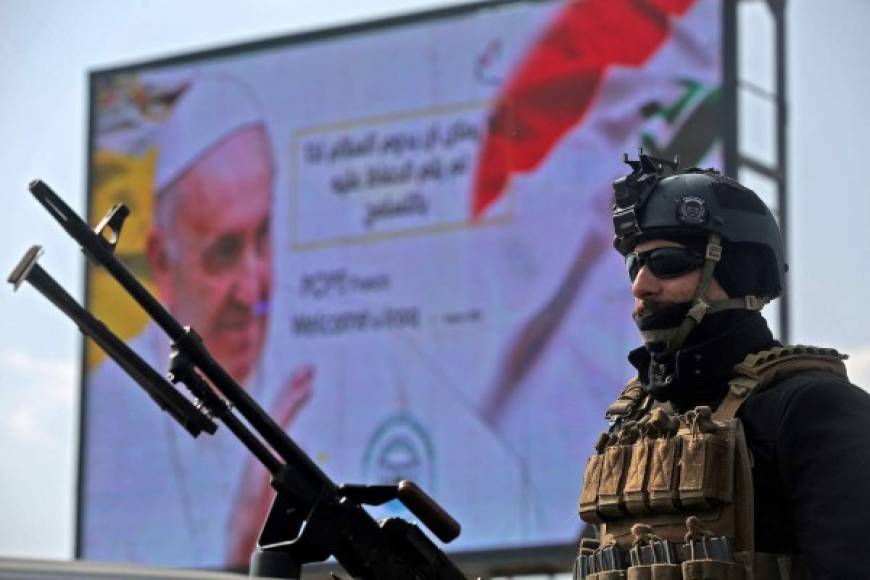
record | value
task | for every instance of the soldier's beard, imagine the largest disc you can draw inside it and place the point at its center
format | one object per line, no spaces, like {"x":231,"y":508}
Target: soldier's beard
{"x":659,"y":323}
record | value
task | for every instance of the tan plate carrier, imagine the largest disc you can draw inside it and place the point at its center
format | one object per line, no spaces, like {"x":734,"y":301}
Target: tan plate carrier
{"x":654,"y":469}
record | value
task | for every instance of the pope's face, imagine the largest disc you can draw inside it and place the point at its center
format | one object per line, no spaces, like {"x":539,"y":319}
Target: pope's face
{"x":216,"y":273}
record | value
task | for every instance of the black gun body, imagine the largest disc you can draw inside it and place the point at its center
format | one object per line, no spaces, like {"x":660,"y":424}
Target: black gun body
{"x":311,"y":517}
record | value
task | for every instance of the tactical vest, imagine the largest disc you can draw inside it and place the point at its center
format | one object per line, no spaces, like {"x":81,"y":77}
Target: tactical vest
{"x":672,"y":494}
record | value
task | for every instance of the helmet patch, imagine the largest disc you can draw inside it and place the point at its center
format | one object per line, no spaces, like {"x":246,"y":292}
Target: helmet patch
{"x":692,"y":210}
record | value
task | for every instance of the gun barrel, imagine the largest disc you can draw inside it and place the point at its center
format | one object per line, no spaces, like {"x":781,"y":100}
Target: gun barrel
{"x":169,"y":399}
{"x":99,"y":250}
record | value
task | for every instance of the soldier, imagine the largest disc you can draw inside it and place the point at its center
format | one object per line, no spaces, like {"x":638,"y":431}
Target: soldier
{"x":730,"y":455}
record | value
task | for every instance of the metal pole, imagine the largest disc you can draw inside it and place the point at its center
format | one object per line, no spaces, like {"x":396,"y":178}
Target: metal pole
{"x":778,"y":8}
{"x":729,"y":108}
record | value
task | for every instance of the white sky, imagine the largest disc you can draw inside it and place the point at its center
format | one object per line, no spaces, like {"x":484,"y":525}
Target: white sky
{"x":48,"y":46}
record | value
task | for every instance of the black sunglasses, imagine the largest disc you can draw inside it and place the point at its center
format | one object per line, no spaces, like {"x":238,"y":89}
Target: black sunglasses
{"x":666,"y":262}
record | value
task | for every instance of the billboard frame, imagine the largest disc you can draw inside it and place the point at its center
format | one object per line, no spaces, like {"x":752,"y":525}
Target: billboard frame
{"x":548,"y":559}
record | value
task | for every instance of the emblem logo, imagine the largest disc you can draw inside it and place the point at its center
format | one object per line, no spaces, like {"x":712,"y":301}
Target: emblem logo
{"x":692,"y":210}
{"x":400,"y":448}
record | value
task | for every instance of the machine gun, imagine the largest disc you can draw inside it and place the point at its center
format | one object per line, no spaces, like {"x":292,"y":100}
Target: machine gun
{"x":311,"y":517}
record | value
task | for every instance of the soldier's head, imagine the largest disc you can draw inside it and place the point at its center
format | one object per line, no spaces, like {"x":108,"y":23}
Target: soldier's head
{"x":210,"y":248}
{"x":695,"y":242}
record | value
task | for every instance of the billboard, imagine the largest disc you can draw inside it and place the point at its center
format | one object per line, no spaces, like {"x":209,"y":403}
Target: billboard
{"x":397,"y":238}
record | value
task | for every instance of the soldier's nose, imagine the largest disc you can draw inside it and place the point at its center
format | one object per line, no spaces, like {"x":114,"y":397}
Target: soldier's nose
{"x":645,"y":284}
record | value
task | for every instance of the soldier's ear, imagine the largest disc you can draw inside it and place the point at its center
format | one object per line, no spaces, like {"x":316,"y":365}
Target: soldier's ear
{"x":157,"y":255}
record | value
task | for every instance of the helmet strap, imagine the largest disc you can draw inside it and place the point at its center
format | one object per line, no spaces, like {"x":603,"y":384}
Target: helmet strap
{"x":745,"y":303}
{"x":700,"y":302}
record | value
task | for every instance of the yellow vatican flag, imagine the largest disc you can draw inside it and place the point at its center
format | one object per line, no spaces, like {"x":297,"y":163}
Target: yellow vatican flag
{"x":127,"y":179}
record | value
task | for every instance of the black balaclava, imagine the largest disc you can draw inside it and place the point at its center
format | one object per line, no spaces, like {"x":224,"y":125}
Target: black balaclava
{"x":698,"y":373}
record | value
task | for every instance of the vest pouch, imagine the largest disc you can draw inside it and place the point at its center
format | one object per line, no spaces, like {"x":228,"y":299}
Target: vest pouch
{"x":610,"y":487}
{"x":712,"y":570}
{"x":664,"y":475}
{"x":588,"y":505}
{"x":655,"y":572}
{"x":635,"y":492}
{"x":706,"y":462}
{"x":610,"y":575}
{"x":605,"y":563}
{"x":584,"y":564}
{"x":666,"y":572}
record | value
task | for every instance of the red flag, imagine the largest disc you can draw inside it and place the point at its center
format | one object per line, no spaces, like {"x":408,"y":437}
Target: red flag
{"x":553,"y":88}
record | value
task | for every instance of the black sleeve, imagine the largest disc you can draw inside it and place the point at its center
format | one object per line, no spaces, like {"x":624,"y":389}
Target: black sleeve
{"x":823,"y":450}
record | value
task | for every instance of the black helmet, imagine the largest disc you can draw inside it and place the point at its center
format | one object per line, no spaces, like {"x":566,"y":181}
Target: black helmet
{"x":695,"y":202}
{"x":730,"y":219}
